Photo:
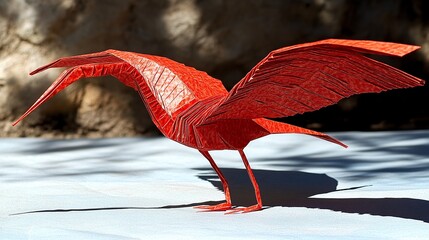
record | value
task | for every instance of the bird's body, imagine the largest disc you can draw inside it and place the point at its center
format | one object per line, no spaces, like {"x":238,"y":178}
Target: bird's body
{"x":194,"y":109}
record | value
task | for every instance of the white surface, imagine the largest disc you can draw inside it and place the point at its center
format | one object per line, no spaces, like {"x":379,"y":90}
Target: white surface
{"x":139,"y":188}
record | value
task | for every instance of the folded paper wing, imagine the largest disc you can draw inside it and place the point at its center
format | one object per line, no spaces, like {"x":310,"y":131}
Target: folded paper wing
{"x":307,"y":77}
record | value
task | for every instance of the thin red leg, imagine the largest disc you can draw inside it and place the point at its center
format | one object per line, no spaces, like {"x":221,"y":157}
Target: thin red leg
{"x":257,"y":206}
{"x":223,"y":206}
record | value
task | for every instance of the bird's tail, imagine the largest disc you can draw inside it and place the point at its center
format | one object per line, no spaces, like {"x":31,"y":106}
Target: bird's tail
{"x":277,"y":127}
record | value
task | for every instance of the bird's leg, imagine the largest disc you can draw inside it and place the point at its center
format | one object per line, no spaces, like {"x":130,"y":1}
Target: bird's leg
{"x":222,"y":206}
{"x":257,"y":206}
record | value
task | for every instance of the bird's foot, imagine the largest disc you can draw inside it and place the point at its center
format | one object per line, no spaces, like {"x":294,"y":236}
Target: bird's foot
{"x":256,"y":207}
{"x":219,"y":207}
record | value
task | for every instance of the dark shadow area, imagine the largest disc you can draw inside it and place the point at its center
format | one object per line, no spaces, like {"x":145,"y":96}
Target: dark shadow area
{"x":115,"y":208}
{"x":277,"y":187}
{"x":294,"y":189}
{"x":407,"y":208}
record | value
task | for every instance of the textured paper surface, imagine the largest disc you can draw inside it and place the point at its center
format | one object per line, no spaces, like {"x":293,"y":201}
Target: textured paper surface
{"x":153,"y":183}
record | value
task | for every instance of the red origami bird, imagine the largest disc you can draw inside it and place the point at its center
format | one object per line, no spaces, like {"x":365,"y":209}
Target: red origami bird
{"x":196,"y":110}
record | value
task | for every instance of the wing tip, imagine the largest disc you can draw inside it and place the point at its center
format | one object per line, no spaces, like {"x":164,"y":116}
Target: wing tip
{"x":406,"y":49}
{"x":373,"y":46}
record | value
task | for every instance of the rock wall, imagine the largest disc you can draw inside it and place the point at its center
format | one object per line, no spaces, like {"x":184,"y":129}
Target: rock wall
{"x":224,"y":38}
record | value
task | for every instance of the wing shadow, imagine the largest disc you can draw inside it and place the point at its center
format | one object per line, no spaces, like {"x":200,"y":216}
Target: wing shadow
{"x":277,"y":187}
{"x":294,"y":189}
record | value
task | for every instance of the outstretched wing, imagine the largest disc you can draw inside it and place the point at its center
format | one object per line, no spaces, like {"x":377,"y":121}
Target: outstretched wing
{"x":307,"y":77}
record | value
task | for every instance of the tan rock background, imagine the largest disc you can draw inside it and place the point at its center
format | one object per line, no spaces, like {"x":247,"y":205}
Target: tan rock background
{"x":224,"y":38}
